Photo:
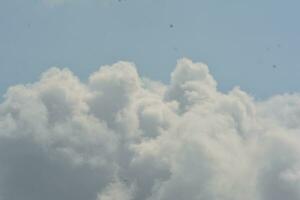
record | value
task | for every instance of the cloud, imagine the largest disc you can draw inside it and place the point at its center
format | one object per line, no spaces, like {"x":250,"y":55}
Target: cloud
{"x":116,"y":191}
{"x":120,"y":136}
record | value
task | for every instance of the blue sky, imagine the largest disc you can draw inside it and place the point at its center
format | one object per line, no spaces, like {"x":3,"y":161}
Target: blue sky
{"x":239,"y":40}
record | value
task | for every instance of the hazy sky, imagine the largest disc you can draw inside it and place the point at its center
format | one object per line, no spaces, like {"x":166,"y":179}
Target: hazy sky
{"x":109,"y":133}
{"x":239,"y":40}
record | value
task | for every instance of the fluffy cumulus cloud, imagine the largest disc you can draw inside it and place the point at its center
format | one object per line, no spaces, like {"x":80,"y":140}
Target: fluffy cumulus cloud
{"x":122,"y":137}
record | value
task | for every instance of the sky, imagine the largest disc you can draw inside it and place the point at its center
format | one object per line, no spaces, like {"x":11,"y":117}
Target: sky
{"x":149,"y":100}
{"x":252,"y":44}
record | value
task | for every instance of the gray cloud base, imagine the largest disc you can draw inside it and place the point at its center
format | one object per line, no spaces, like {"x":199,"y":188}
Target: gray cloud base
{"x":122,"y":137}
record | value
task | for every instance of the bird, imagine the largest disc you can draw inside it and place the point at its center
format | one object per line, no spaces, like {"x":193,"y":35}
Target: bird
{"x":125,"y":180}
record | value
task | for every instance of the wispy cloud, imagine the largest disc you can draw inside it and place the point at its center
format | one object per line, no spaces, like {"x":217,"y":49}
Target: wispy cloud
{"x":56,"y":2}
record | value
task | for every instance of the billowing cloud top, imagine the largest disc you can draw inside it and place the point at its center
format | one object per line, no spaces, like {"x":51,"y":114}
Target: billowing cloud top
{"x":120,"y":137}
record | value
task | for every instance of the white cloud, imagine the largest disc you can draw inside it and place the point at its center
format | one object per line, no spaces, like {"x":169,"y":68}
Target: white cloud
{"x":120,"y":136}
{"x":116,"y":191}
